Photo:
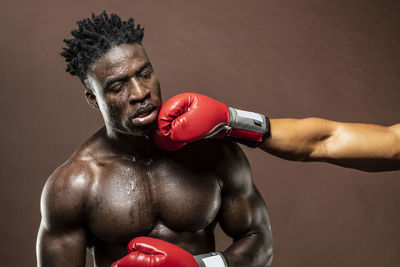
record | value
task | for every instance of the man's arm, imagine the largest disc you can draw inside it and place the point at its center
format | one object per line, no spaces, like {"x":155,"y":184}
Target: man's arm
{"x":62,"y":239}
{"x":243,"y":214}
{"x":365,"y":147}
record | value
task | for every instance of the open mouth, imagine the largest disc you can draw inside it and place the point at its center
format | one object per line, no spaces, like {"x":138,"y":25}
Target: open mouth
{"x":142,"y":115}
{"x":145,"y":115}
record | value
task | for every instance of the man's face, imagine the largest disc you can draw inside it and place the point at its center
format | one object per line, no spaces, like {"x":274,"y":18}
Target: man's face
{"x":123,"y":86}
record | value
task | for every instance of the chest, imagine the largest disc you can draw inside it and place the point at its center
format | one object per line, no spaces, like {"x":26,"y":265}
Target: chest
{"x":136,"y":198}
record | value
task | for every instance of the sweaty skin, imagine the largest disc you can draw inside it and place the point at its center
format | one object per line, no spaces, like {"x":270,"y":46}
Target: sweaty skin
{"x":366,"y":147}
{"x":119,"y":185}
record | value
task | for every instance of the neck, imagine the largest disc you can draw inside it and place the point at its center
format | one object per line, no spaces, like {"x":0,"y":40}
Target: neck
{"x":129,"y":145}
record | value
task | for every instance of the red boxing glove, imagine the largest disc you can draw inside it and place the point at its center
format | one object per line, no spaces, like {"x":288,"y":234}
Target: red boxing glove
{"x":190,"y":117}
{"x":165,"y":143}
{"x":152,"y":252}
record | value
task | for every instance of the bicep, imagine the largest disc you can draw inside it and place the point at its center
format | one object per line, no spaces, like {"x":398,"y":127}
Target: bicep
{"x":61,"y":247}
{"x":395,"y":129}
{"x":244,"y":214}
{"x":366,"y":147}
{"x":243,"y":211}
{"x":363,"y":141}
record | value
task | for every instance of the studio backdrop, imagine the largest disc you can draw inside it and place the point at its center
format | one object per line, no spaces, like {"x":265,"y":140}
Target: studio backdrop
{"x":335,"y":59}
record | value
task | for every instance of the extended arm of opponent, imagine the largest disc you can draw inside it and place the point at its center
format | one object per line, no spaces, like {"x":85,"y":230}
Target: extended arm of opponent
{"x":365,"y":147}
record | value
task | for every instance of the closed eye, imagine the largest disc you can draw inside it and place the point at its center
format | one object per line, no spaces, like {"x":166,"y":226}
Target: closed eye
{"x":145,"y":74}
{"x":115,"y":88}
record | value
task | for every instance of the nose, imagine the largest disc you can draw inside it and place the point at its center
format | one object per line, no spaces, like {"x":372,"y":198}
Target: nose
{"x":137,"y":92}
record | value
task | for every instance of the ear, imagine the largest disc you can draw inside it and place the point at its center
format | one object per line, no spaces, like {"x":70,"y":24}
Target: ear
{"x":91,"y":98}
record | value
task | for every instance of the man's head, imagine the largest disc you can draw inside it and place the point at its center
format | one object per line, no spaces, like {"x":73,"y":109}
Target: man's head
{"x":107,"y":55}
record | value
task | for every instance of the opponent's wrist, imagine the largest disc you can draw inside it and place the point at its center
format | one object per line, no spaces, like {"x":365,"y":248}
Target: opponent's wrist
{"x":248,"y":128}
{"x":213,"y":259}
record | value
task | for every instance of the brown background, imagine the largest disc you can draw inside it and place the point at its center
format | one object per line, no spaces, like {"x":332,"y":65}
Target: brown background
{"x":334,"y":59}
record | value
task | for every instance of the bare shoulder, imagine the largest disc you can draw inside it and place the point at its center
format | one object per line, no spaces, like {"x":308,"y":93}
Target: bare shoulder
{"x":65,"y":193}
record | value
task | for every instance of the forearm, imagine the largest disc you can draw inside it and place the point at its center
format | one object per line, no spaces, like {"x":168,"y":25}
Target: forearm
{"x":254,"y":249}
{"x":362,"y":146}
{"x":296,"y":139}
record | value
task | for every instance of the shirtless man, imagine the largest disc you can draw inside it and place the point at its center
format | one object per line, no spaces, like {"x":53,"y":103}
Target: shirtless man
{"x":366,"y":147}
{"x":118,"y":185}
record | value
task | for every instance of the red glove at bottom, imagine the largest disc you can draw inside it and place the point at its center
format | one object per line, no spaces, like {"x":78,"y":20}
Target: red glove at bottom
{"x":152,"y":252}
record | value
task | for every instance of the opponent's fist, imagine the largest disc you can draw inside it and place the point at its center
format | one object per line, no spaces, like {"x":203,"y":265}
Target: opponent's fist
{"x":147,"y":251}
{"x":190,"y":117}
{"x":165,"y":143}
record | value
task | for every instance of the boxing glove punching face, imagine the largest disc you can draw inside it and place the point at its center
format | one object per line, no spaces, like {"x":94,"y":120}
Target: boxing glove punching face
{"x":190,"y":117}
{"x":165,"y":143}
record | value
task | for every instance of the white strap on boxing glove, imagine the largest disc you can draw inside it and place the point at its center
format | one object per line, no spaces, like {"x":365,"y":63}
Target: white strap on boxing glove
{"x":213,"y":259}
